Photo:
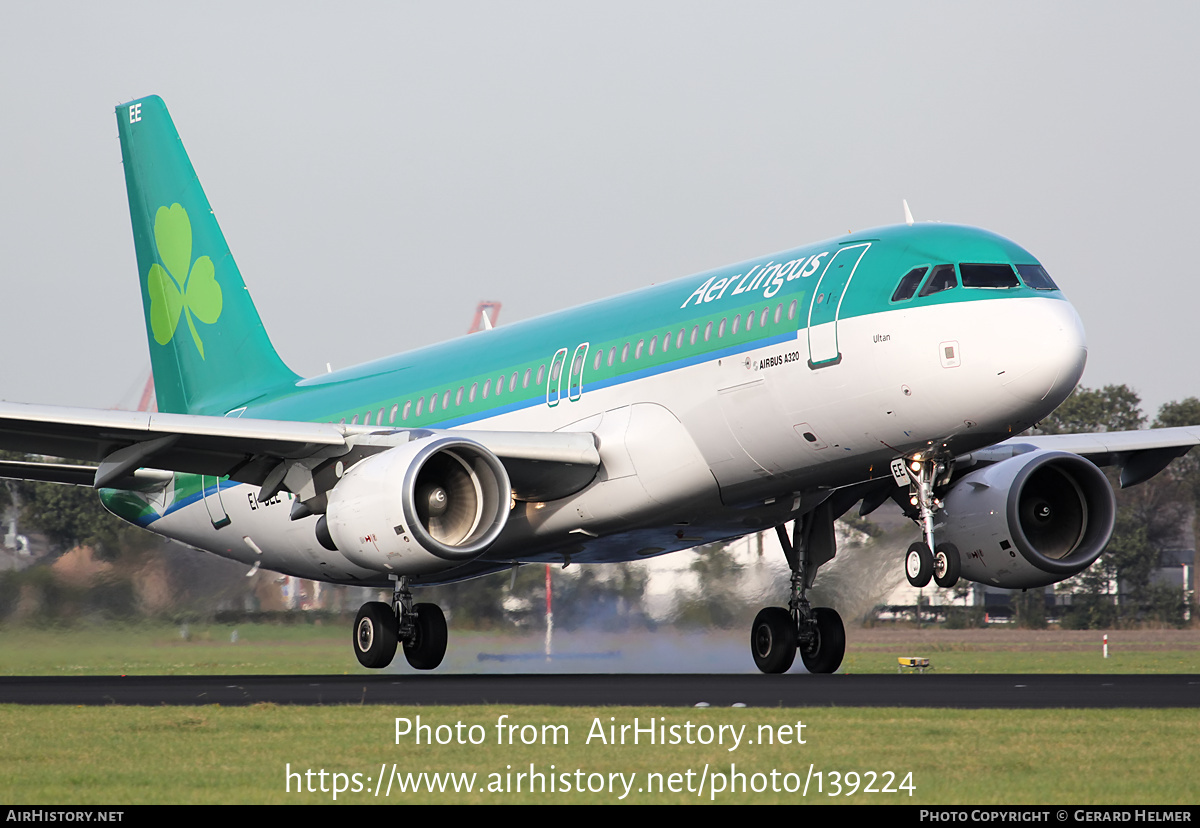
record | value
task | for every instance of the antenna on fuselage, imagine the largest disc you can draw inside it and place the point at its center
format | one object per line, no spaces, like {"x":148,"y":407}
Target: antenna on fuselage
{"x":908,"y":219}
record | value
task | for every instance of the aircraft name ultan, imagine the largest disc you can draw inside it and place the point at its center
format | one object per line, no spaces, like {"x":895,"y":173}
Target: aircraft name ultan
{"x":768,"y":278}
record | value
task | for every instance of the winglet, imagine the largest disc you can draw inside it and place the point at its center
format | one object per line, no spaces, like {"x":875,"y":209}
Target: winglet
{"x":908,"y":219}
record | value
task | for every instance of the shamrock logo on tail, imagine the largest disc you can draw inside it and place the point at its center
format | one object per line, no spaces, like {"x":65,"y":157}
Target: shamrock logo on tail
{"x":180,"y":285}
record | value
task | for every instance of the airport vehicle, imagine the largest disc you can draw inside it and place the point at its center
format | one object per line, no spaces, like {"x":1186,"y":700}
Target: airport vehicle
{"x":894,"y":363}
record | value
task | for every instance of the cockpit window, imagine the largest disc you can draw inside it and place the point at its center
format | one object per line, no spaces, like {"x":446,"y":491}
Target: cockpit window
{"x":1036,"y":277}
{"x":942,"y":278}
{"x":908,"y":285}
{"x":988,"y":276}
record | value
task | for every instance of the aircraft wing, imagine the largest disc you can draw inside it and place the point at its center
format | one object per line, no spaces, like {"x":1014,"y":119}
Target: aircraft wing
{"x":1139,"y":454}
{"x":130,"y":445}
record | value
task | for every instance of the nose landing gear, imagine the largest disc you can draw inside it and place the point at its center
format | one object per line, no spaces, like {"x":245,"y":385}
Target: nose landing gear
{"x":816,"y":632}
{"x":928,"y":474}
{"x":946,"y":565}
{"x":379,"y":627}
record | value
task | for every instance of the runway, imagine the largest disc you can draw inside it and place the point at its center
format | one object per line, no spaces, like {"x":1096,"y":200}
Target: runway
{"x":676,"y":690}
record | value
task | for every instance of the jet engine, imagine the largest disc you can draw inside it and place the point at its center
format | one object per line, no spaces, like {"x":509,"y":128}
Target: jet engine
{"x":426,"y":506}
{"x":1029,"y":521}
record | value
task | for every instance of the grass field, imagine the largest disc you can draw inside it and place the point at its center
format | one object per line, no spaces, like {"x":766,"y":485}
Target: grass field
{"x":119,"y":755}
{"x":114,"y":755}
{"x":306,"y":649}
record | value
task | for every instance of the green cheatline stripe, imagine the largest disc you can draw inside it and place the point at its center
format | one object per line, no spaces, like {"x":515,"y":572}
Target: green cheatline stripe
{"x":634,"y":367}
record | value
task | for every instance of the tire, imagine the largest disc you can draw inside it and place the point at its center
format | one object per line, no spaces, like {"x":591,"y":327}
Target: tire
{"x":375,"y":635}
{"x":946,"y":565}
{"x":918,"y":565}
{"x":825,"y":653}
{"x":773,"y":640}
{"x":428,"y":647}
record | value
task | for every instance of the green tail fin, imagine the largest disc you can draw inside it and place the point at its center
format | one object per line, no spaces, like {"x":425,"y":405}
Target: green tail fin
{"x":208,"y":348}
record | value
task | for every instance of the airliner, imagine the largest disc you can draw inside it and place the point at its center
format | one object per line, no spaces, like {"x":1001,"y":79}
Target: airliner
{"x":899,"y":363}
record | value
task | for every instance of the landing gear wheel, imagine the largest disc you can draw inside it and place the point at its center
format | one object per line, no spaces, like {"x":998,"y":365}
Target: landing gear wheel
{"x":823,"y":652}
{"x":773,"y":640}
{"x":428,"y":645}
{"x":918,"y":565}
{"x":375,"y":635}
{"x":946,"y":565}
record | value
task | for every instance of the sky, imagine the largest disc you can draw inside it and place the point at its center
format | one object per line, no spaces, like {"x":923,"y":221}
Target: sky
{"x":378,"y":168}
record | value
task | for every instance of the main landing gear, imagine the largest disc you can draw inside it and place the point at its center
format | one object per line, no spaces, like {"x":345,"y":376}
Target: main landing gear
{"x":379,"y":627}
{"x":927,"y":474}
{"x":816,"y":632}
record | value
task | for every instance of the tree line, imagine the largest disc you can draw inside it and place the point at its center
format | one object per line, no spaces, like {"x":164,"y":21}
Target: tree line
{"x":1152,"y":517}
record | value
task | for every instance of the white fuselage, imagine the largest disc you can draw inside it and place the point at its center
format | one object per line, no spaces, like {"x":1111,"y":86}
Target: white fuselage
{"x":724,"y":447}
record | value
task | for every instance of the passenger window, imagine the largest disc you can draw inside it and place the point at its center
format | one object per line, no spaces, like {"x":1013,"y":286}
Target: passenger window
{"x":737,"y":323}
{"x":470,"y":394}
{"x":625,"y":352}
{"x":458,"y":396}
{"x":637,"y":352}
{"x":420,"y":405}
{"x":749,"y":321}
{"x":942,"y":278}
{"x":778,"y":312}
{"x":612,"y":355}
{"x":653,"y":344}
{"x":541,"y":375}
{"x":908,"y":284}
{"x":433,"y":403}
{"x":791,"y":310}
{"x":445,"y":401}
{"x":525,"y":382}
{"x":407,"y":409}
{"x":1036,"y":277}
{"x":596,"y":361}
{"x":762,"y":320}
{"x":512,"y":383}
{"x":367,"y":418}
{"x":354,"y":420}
{"x":666,"y":342}
{"x":988,"y":276}
{"x":721,"y":329}
{"x":487,"y":387}
{"x":379,"y":417}
{"x":392,"y":416}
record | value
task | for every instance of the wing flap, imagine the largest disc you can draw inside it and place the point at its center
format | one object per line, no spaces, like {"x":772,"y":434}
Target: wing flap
{"x":75,"y":475}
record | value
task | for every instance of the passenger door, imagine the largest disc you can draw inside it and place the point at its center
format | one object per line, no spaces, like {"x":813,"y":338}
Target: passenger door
{"x":824,"y":309}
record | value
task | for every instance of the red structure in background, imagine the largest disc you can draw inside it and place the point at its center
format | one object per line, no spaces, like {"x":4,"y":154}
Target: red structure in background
{"x":147,"y":401}
{"x":488,"y":310}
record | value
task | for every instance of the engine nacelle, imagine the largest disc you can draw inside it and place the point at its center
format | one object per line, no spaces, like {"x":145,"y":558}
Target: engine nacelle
{"x":1029,"y":521}
{"x":423,"y":507}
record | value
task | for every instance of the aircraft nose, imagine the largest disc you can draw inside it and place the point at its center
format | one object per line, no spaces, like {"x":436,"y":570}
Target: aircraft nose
{"x":1045,"y":352}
